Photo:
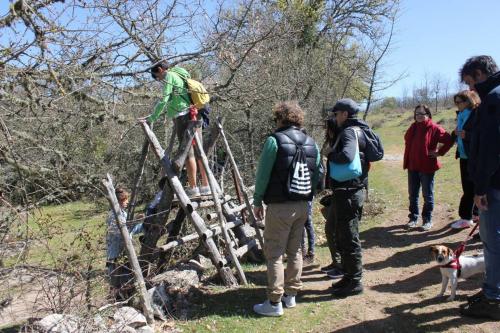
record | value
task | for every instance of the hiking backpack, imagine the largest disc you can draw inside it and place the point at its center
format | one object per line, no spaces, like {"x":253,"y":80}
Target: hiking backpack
{"x":374,"y":151}
{"x":299,"y":182}
{"x":197,"y":93}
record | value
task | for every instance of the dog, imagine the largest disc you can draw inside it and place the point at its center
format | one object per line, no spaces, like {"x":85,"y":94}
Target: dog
{"x":451,"y":270}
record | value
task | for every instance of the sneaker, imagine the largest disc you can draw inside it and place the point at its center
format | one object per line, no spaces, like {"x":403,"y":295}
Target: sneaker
{"x":474,"y":297}
{"x":325,"y":269}
{"x":349,"y":289}
{"x":193,"y":192}
{"x":481,"y":307}
{"x":288,"y":301}
{"x":340,"y":284}
{"x":335,"y":273}
{"x":412,"y":224}
{"x":462,"y":224}
{"x":267,"y":309}
{"x":427,"y":225}
{"x":205,"y":190}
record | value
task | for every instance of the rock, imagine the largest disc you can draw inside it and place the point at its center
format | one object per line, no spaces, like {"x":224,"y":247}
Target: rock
{"x":121,"y":328}
{"x":58,"y":323}
{"x":178,"y":278}
{"x":128,"y":316}
{"x":161,"y":301}
{"x":145,"y":329}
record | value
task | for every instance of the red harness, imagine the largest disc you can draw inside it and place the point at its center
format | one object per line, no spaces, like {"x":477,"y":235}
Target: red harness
{"x":455,"y":263}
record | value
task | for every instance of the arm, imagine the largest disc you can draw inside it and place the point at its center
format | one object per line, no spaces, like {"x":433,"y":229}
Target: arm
{"x":162,"y":104}
{"x":266,"y":163}
{"x":348,"y":143}
{"x":316,"y":181}
{"x":446,"y":139}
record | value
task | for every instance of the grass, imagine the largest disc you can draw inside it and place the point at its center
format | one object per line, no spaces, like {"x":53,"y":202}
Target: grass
{"x":217,"y":309}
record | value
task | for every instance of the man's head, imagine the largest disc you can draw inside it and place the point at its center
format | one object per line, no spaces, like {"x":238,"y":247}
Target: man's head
{"x":288,"y":113}
{"x":344,"y":108}
{"x":477,"y":69}
{"x":159,"y":70}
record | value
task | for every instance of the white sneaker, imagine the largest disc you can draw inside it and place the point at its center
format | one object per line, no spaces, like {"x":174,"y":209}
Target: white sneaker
{"x":288,"y":301}
{"x":267,"y":309}
{"x":427,"y":225}
{"x":193,"y":192}
{"x":462,"y":224}
{"x":205,"y":190}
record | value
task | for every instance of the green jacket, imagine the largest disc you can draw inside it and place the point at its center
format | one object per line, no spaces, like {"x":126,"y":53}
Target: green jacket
{"x":175,"y":94}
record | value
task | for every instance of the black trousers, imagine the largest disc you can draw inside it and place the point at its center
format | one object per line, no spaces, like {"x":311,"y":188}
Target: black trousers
{"x":466,"y":207}
{"x":347,"y":208}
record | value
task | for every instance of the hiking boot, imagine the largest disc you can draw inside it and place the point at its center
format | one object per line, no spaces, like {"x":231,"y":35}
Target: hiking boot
{"x":412,"y":224}
{"x":335,"y":273}
{"x":193,"y":192}
{"x":462,"y":224}
{"x":342,"y":283}
{"x":427,"y":226}
{"x":351,"y":288}
{"x":481,"y":307}
{"x":308,"y":259}
{"x":288,"y":301}
{"x":327,"y":268}
{"x":267,"y":309}
{"x":205,"y":190}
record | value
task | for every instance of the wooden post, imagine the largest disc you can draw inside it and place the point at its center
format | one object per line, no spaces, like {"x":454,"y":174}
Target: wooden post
{"x":253,"y":219}
{"x":139,"y":280}
{"x":137,"y":180}
{"x":225,"y":272}
{"x":214,"y":187}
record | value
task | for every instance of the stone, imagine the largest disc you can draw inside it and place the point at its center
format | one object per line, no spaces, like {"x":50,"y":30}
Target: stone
{"x":58,"y":323}
{"x":145,"y":329}
{"x":129,"y":316}
{"x":161,"y":301}
{"x":178,"y":278}
{"x":121,"y":328}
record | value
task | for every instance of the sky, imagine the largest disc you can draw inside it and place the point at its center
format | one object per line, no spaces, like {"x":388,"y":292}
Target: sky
{"x":435,"y":37}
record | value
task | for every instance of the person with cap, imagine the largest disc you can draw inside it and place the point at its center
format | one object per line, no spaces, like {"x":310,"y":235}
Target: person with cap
{"x":348,"y":196}
{"x":420,"y":158}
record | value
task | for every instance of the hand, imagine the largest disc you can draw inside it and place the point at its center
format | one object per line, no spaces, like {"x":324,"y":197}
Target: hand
{"x":433,"y":154}
{"x":258,"y":212}
{"x":481,"y":202}
{"x":142,"y":119}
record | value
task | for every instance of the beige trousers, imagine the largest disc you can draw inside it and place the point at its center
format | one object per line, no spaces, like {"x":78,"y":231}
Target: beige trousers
{"x":284,"y":227}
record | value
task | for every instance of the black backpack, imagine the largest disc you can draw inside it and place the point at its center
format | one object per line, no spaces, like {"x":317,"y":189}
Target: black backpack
{"x":374,"y":151}
{"x":299,"y":182}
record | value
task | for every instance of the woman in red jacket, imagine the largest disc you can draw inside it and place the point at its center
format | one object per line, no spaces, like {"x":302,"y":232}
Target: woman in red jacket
{"x":421,"y":152}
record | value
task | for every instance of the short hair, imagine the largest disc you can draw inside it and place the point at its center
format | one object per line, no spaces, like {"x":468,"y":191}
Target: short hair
{"x":289,"y":113}
{"x":482,"y":63}
{"x":426,"y":108}
{"x":471,"y":97}
{"x":121,"y":194}
{"x":156,"y":68}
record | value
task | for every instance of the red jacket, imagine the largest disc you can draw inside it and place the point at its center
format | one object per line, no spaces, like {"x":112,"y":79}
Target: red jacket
{"x":420,"y":139}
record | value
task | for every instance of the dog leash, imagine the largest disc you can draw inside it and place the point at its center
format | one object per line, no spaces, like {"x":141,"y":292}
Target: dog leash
{"x":455,"y":263}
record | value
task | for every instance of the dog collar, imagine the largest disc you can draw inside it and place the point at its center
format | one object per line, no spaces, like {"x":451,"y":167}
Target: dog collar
{"x":454,"y":264}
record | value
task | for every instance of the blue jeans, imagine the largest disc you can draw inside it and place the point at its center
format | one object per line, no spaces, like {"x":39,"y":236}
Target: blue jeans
{"x":415,"y":179}
{"x":489,"y":229}
{"x":309,"y":229}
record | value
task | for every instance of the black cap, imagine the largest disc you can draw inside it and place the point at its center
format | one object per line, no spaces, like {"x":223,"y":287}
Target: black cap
{"x":346,"y":104}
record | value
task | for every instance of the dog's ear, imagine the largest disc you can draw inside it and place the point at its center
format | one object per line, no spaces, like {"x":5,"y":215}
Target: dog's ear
{"x":433,"y":250}
{"x":447,"y":251}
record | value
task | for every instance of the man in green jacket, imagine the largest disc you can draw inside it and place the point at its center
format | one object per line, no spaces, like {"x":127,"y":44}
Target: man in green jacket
{"x":175,"y":104}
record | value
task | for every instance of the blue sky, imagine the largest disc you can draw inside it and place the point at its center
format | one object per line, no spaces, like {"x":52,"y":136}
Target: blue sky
{"x":437,"y":36}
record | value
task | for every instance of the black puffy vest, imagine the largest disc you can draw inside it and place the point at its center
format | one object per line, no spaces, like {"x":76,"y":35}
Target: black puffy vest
{"x":287,"y":138}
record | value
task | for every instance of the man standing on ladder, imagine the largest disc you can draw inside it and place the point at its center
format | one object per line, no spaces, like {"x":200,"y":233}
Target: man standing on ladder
{"x":177,"y":105}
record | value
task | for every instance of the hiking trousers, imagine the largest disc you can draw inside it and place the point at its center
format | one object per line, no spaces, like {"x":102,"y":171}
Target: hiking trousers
{"x":347,"y":208}
{"x":283,"y":234}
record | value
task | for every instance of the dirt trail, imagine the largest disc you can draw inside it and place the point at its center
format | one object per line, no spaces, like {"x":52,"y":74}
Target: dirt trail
{"x":401,"y":283}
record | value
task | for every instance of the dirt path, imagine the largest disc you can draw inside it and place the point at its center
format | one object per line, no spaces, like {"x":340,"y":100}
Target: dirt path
{"x":401,"y":283}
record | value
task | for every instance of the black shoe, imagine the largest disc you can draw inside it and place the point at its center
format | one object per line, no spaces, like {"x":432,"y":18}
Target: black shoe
{"x":335,"y":273}
{"x":475,"y":297}
{"x":341,"y":284}
{"x":352,"y":288}
{"x":476,"y":237}
{"x":328,"y":268}
{"x":481,"y":307}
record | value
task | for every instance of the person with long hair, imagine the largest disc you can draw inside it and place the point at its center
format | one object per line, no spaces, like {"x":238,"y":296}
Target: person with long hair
{"x":467,"y":102}
{"x":420,"y":159}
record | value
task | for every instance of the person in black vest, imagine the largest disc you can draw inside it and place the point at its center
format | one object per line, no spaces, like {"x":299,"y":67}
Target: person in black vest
{"x":348,"y":196}
{"x":286,"y":212}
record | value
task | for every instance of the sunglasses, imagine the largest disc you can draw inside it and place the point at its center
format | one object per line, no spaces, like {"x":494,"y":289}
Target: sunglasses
{"x":459,"y":102}
{"x":420,"y":114}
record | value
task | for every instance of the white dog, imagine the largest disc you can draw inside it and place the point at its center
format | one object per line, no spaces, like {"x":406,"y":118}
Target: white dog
{"x":451,"y":269}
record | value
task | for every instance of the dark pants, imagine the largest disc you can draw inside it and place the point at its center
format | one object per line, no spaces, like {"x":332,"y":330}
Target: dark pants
{"x":309,"y":229}
{"x":415,"y":179}
{"x":347,"y":208}
{"x":330,"y":237}
{"x":466,"y":208}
